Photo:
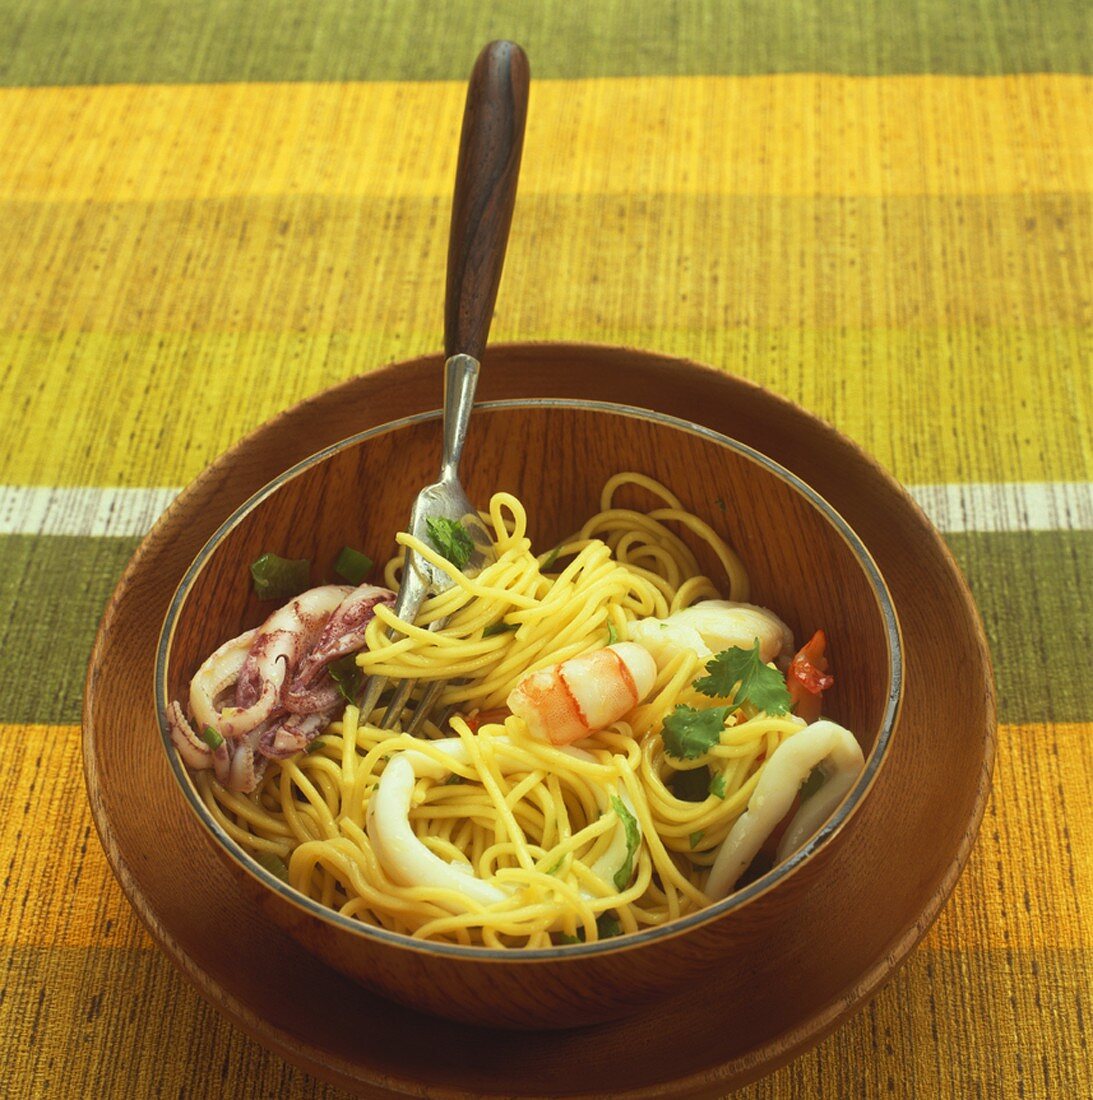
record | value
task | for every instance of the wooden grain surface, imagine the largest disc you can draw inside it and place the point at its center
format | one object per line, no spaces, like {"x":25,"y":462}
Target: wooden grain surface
{"x":780,"y":1000}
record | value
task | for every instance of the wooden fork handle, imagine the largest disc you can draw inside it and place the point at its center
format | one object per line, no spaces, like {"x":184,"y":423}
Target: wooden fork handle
{"x":485,"y":193}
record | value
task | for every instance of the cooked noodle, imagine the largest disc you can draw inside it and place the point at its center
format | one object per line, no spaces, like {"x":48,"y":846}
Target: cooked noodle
{"x":524,"y":816}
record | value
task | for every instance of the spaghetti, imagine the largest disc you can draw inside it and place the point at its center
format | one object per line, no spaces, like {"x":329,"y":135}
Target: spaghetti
{"x":479,"y":833}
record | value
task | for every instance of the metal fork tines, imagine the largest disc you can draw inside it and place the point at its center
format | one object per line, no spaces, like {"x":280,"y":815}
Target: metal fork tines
{"x":411,"y":595}
{"x":485,"y":192}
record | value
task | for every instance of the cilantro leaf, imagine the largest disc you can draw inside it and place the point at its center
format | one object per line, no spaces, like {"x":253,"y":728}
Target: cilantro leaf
{"x":347,"y":675}
{"x":741,"y":673}
{"x":607,"y":925}
{"x":717,"y":785}
{"x":694,"y":838}
{"x":633,"y":840}
{"x":688,"y":733}
{"x":450,"y":539}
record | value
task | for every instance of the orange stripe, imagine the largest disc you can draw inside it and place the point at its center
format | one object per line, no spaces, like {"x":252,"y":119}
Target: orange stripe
{"x":1028,"y":885}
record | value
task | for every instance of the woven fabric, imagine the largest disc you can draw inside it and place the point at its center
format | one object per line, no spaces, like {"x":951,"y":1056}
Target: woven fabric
{"x":879,"y":210}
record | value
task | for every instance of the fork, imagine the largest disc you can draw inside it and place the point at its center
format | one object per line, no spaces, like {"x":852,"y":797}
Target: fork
{"x":485,"y":194}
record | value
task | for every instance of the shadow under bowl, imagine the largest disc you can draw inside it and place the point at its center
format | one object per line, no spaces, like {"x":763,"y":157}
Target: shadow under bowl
{"x":804,"y":562}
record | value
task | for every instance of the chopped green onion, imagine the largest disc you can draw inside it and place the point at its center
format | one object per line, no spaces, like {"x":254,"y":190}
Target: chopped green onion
{"x":694,"y":838}
{"x":500,"y":627}
{"x":274,"y":864}
{"x":212,"y":738}
{"x":612,"y":634}
{"x":278,"y":578}
{"x":352,"y":565}
{"x":314,"y":746}
{"x":551,"y":558}
{"x":555,"y":867}
{"x":717,"y":785}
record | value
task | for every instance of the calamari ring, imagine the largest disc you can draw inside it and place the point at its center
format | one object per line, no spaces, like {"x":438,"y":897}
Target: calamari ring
{"x":410,"y":863}
{"x":825,"y":745}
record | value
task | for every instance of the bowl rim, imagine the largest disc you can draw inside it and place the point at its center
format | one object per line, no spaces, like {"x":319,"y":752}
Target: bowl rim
{"x":736,"y":900}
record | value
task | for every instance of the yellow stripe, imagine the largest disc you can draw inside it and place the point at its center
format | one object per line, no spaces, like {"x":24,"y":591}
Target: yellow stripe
{"x":58,"y":890}
{"x":147,"y":410}
{"x":577,"y":266}
{"x":155,"y":409}
{"x":1029,"y":884}
{"x":790,"y":134}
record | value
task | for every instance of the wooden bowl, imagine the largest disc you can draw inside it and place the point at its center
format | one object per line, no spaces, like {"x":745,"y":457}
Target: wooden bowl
{"x":804,"y":561}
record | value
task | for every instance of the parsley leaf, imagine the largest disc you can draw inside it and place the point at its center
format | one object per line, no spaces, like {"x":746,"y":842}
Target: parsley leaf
{"x":633,"y":840}
{"x":450,"y":538}
{"x":754,"y":682}
{"x":688,"y":733}
{"x":717,"y":785}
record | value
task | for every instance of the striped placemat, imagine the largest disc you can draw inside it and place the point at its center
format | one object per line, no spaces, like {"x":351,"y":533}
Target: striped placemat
{"x":212,"y":208}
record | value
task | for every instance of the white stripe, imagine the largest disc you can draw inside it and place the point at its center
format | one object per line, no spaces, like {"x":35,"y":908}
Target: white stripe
{"x":37,"y":510}
{"x":975,"y":506}
{"x":1008,"y":506}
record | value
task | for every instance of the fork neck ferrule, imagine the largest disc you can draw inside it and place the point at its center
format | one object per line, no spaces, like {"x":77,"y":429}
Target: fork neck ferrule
{"x":460,"y":381}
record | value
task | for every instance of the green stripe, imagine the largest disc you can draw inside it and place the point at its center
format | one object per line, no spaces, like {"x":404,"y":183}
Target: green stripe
{"x":52,"y":593}
{"x":1030,"y":588}
{"x":162,"y":41}
{"x":1037,"y":605}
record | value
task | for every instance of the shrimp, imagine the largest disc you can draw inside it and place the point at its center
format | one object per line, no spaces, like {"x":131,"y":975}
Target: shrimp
{"x":711,"y":626}
{"x":566,"y":702}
